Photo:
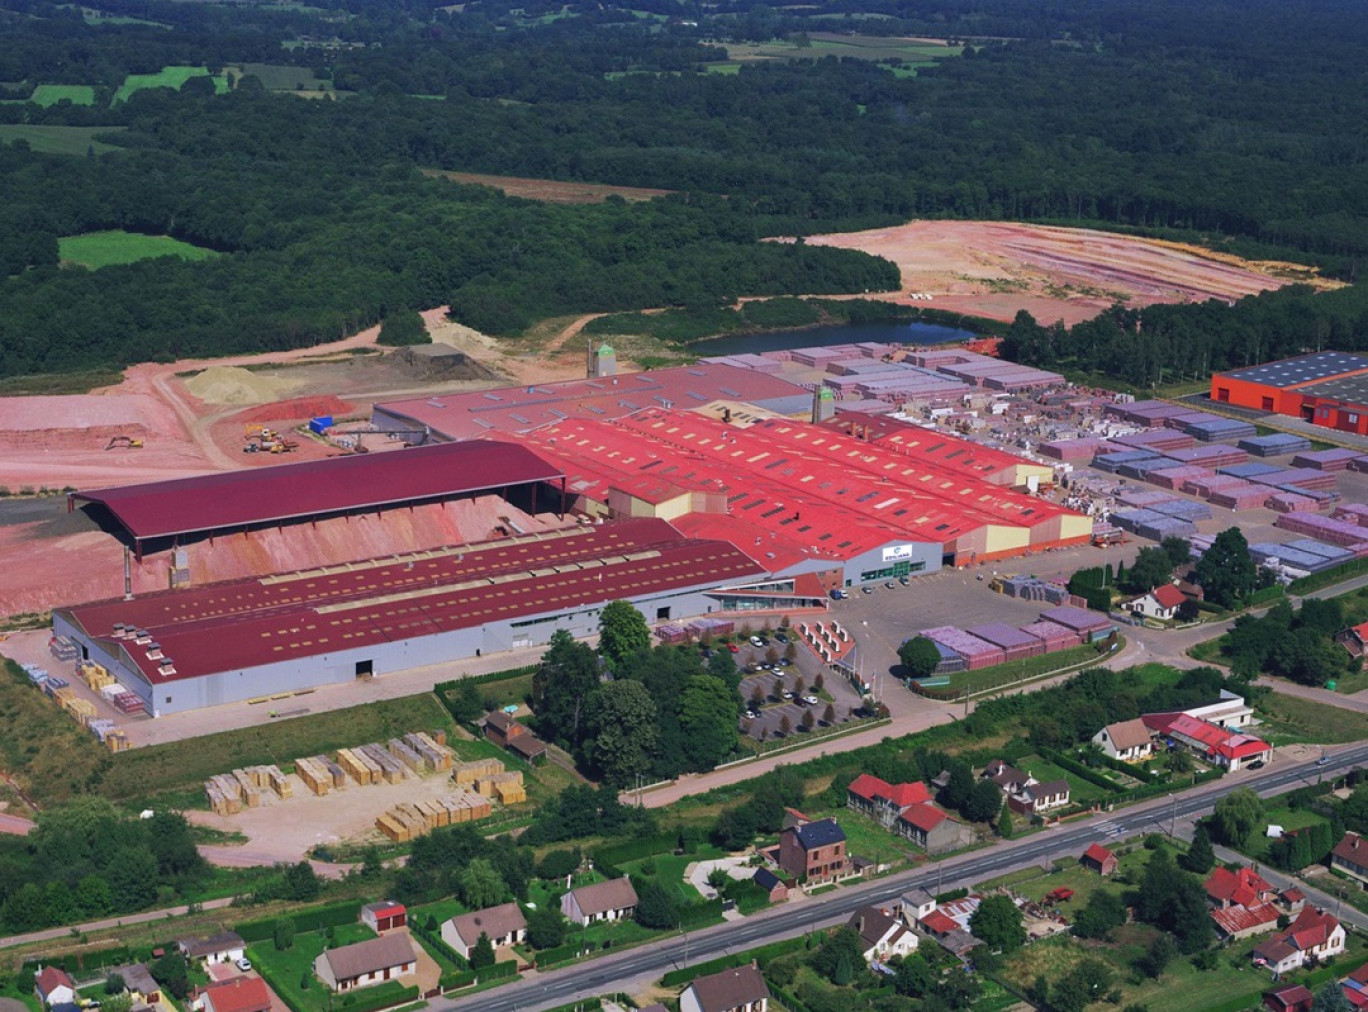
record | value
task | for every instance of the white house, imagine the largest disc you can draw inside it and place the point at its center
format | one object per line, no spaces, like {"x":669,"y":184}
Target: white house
{"x":1126,"y":740}
{"x":504,"y":925}
{"x":225,"y":947}
{"x":740,"y":989}
{"x":615,"y":900}
{"x":367,"y":963}
{"x":916,"y":904}
{"x":882,"y":936}
{"x":1161,"y":602}
{"x":54,"y":986}
{"x":1314,"y":935}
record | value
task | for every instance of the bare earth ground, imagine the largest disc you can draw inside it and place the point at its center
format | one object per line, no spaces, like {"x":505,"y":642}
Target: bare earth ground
{"x":549,"y":190}
{"x":993,"y":269}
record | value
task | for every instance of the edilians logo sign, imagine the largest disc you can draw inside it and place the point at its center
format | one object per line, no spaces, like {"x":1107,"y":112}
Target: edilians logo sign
{"x":897,"y":553}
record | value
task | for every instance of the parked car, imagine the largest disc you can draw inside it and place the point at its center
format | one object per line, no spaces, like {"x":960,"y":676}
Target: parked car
{"x":756,"y":641}
{"x":838,"y":595}
{"x":244,"y":963}
{"x":890,"y":585}
{"x":781,"y":638}
{"x":788,"y":695}
{"x":904,"y":580}
{"x":1257,"y":764}
{"x":811,"y":700}
{"x":733,"y":648}
{"x":866,"y":590}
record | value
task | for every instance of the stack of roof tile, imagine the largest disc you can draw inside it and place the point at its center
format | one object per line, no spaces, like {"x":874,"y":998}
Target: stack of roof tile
{"x":1242,"y":495}
{"x":1162,"y":440}
{"x":1334,"y":532}
{"x":1290,"y":502}
{"x":1334,"y":459}
{"x":1275,"y":444}
{"x":977,"y":653}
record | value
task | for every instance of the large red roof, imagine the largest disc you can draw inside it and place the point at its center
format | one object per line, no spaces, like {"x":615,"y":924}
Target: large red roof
{"x":289,"y":491}
{"x":246,"y":623}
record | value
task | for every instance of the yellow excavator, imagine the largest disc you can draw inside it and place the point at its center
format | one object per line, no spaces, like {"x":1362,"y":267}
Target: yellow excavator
{"x":128,"y":442}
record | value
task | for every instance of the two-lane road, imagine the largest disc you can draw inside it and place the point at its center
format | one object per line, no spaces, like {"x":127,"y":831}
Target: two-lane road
{"x":558,"y":987}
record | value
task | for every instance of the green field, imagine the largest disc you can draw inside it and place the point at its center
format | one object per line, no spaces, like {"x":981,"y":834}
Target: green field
{"x":167,"y":77}
{"x":1080,"y":790}
{"x":104,"y":249}
{"x":59,"y":140}
{"x":51,"y":94}
{"x":289,"y":969}
{"x":901,"y":56}
{"x":280,"y":76}
{"x":1290,"y":819}
{"x":1289,"y":718}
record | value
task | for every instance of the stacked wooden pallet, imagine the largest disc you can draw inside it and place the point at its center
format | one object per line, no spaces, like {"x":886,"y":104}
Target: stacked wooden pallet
{"x":401,"y":751}
{"x":94,"y":675}
{"x":116,"y":741}
{"x":315,"y":775}
{"x":82,"y":709}
{"x":507,"y":788}
{"x":414,"y":818}
{"x":225,"y":794}
{"x":392,"y":771}
{"x":359,"y":767}
{"x":468,"y":773}
{"x":435,"y":756}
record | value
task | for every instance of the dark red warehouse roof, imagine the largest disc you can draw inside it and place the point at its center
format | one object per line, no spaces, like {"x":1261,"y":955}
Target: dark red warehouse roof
{"x":231,"y":499}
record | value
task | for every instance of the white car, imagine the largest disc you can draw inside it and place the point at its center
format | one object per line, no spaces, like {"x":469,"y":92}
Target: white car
{"x":811,"y":700}
{"x":243,"y":964}
{"x":756,"y":641}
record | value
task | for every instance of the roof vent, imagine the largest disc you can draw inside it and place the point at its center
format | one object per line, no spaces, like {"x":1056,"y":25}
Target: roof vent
{"x":143,"y":637}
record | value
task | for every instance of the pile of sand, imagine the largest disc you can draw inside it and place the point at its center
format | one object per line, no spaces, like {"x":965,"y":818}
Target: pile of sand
{"x":227,"y":384}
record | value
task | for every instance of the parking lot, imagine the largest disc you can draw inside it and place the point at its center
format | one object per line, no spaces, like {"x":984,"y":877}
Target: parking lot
{"x":785,"y":679}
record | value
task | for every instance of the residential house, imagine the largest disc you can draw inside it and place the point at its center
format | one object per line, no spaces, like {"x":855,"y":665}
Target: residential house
{"x":1222,"y":746}
{"x":1236,"y":922}
{"x":1353,"y":639}
{"x":1313,"y":936}
{"x":1243,"y":888}
{"x":948,"y":924}
{"x":614,"y":900}
{"x":1025,"y":794}
{"x":241,"y":994}
{"x":54,"y":986}
{"x":504,"y":925}
{"x":141,"y":986}
{"x":1292,"y":900}
{"x":1355,"y":987}
{"x":385,"y":916}
{"x":775,"y":887}
{"x":883,"y":801}
{"x":1288,"y":998}
{"x":1351,"y":857}
{"x":882,"y":936}
{"x":740,"y":989}
{"x":932,"y":829}
{"x":1161,"y":602}
{"x":814,"y":852}
{"x":225,"y":947}
{"x":1099,"y":859}
{"x":916,"y":904}
{"x":1126,"y":740}
{"x":367,"y":963}
{"x":504,"y":731}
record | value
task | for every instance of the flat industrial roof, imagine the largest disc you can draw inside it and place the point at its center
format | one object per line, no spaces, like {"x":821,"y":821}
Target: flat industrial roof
{"x":1291,"y":372}
{"x":339,"y":484}
{"x":246,"y":623}
{"x":1350,"y":389}
{"x":522,"y":409}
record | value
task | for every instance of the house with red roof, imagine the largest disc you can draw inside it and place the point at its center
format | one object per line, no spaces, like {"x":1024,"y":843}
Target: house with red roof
{"x":1354,"y":639}
{"x":1243,"y":888}
{"x":1221,"y":746}
{"x":1099,"y":859}
{"x":1314,"y":935}
{"x":1233,"y":923}
{"x":384,"y":916}
{"x":881,"y":800}
{"x":1161,"y":602}
{"x":54,"y":986}
{"x":931,"y":829}
{"x":241,"y":994}
{"x":1288,"y":998}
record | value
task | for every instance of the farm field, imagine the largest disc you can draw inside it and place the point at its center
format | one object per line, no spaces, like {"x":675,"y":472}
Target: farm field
{"x":51,"y":94}
{"x":167,"y":77}
{"x":58,"y":140}
{"x":551,"y":191}
{"x":104,"y":249}
{"x":902,"y":55}
{"x":279,"y":76}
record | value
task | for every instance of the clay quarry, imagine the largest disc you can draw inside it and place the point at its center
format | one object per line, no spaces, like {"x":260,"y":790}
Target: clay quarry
{"x":193,"y":417}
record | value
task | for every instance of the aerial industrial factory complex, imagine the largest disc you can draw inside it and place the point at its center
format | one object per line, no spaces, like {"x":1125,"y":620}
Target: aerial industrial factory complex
{"x":710,"y":488}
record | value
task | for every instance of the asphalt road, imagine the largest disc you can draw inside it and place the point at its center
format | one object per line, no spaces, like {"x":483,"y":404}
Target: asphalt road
{"x":558,"y":987}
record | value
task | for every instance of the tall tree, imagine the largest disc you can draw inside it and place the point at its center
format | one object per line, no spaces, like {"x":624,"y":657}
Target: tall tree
{"x":482,"y":953}
{"x":567,"y":677}
{"x":1237,"y":815}
{"x":622,"y":722}
{"x":999,"y":923}
{"x":622,"y":632}
{"x":707,"y":718}
{"x":919,"y":656}
{"x":1200,"y":858}
{"x":1226,"y":570}
{"x":480,"y":884}
{"x":1330,"y":998}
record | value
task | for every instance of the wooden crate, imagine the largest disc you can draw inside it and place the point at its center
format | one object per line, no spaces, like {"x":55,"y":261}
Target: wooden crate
{"x":279,"y":782}
{"x":394,"y":830}
{"x":510,"y":793}
{"x":469,"y":772}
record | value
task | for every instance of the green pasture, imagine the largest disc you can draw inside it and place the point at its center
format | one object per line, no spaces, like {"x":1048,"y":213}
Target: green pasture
{"x":901,"y":56}
{"x":279,"y":76}
{"x":103,"y":249}
{"x":51,"y":94}
{"x":167,"y":77}
{"x":58,"y":140}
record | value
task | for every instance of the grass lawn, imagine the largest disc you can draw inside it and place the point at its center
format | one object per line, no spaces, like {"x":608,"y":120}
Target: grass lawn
{"x":440,"y":910}
{"x":167,"y":77}
{"x":51,"y":94}
{"x":1294,"y":719}
{"x":1015,"y":671}
{"x":1079,"y":789}
{"x":867,"y":838}
{"x":1257,"y":847}
{"x":102,"y":249}
{"x":288,"y":969}
{"x":1036,"y":884}
{"x":280,"y":76}
{"x":59,"y":140}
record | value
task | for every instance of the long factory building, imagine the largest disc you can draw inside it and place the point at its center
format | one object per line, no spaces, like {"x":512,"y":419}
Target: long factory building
{"x":229,"y":642}
{"x":1326,"y":388}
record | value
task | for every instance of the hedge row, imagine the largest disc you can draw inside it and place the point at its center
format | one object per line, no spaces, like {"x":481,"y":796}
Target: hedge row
{"x":699,"y":913}
{"x":437,"y":942}
{"x":317,"y":919}
{"x":94,"y":959}
{"x":560,"y":954}
{"x":761,"y":955}
{"x":634,"y":850}
{"x":368,"y":999}
{"x":508,"y":968}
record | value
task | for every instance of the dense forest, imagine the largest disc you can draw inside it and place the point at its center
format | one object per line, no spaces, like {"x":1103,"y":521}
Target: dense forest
{"x":1244,"y":124}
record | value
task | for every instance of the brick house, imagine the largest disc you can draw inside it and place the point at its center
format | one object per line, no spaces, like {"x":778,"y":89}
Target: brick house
{"x":814,"y":852}
{"x":507,"y":733}
{"x":883,"y":801}
{"x":1351,"y":857}
{"x":1243,"y":888}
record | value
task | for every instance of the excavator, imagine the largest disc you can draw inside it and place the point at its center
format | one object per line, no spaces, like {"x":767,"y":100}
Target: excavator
{"x":127,"y":442}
